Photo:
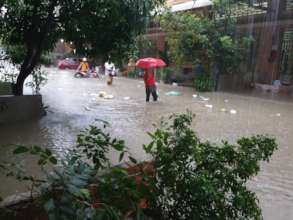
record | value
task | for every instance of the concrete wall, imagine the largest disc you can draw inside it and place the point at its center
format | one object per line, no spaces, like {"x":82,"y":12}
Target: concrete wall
{"x":20,"y":108}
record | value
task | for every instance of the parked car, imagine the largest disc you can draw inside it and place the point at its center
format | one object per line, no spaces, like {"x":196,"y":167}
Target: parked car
{"x":68,"y":63}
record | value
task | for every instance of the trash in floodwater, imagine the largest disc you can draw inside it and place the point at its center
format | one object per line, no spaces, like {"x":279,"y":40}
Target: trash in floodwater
{"x":226,"y":100}
{"x":233,"y":111}
{"x":126,"y":98}
{"x":278,"y":114}
{"x":173,"y":93}
{"x":94,"y":94}
{"x":223,"y":110}
{"x":209,"y":106}
{"x":87,"y":108}
{"x":108,"y":97}
{"x":195,"y":96}
{"x":102,"y":94}
{"x":174,"y":84}
{"x":204,"y":98}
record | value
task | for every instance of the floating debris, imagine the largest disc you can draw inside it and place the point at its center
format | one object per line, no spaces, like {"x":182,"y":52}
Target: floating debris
{"x":223,"y":110}
{"x":102,"y":94}
{"x":108,"y":97}
{"x":233,"y":111}
{"x":87,"y":108}
{"x":173,"y":93}
{"x":194,"y":96}
{"x":209,"y":106}
{"x":174,"y":84}
{"x":126,"y":98}
{"x":226,"y":100}
{"x":278,"y":114}
{"x":204,"y":98}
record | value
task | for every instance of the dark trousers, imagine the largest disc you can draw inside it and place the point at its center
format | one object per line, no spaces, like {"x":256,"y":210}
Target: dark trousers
{"x":151,"y":90}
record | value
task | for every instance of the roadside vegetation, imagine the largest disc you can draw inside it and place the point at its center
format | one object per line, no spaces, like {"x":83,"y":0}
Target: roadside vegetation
{"x":207,"y":42}
{"x":186,"y":178}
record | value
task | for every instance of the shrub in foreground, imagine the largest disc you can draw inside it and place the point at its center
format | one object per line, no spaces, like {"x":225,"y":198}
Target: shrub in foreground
{"x":187,"y":178}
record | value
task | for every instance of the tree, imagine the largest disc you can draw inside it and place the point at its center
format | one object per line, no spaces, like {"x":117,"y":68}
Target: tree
{"x":30,"y":28}
{"x":196,"y":39}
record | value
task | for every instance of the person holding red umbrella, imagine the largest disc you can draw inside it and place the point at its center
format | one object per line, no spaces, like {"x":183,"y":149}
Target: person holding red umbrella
{"x":150,"y":84}
{"x":149,"y":76}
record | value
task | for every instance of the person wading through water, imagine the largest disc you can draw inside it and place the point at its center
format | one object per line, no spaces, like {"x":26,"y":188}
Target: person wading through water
{"x":109,"y":71}
{"x":150,"y":84}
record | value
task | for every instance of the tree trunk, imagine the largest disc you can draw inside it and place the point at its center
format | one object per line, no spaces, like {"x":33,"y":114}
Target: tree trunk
{"x":26,"y":69}
{"x":216,"y":77}
{"x":34,"y":51}
{"x":20,"y":82}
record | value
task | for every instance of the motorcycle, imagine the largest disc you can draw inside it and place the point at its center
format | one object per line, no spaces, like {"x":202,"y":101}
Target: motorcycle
{"x":88,"y":74}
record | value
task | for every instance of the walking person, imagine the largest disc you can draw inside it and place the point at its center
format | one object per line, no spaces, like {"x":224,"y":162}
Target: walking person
{"x":109,"y":71}
{"x":150,"y":84}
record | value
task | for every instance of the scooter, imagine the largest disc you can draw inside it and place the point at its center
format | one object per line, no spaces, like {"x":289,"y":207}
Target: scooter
{"x":81,"y":74}
{"x":90,"y":73}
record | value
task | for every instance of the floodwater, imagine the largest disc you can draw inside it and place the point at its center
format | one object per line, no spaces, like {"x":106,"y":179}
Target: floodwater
{"x":73,"y":104}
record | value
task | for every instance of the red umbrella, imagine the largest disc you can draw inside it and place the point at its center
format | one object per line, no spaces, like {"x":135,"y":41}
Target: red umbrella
{"x":149,"y":62}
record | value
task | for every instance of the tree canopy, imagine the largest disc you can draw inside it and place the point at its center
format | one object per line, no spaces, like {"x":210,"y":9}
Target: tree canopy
{"x":209,"y":40}
{"x":29,"y":28}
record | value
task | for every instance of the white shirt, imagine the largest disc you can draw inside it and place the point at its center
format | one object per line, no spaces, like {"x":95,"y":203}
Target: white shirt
{"x":109,"y":68}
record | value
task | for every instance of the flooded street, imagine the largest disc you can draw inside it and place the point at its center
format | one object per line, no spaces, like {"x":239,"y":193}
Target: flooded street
{"x":73,"y":104}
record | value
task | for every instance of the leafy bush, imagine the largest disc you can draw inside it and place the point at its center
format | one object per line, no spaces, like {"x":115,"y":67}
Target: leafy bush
{"x":39,"y":78}
{"x":194,"y":38}
{"x":167,"y":73}
{"x":134,"y":74}
{"x":201,"y":180}
{"x":204,"y":83}
{"x":47,"y":60}
{"x":187,"y":179}
{"x":75,"y":191}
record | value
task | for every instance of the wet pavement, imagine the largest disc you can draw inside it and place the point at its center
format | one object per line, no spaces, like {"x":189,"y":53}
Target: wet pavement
{"x":73,"y":104}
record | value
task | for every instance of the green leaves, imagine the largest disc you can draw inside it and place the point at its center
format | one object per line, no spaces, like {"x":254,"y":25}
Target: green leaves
{"x":95,"y":144}
{"x":20,"y":150}
{"x":195,"y":39}
{"x":204,"y":82}
{"x":132,"y":160}
{"x":187,"y":178}
{"x":204,"y":180}
{"x":45,"y":155}
{"x":96,"y":28}
{"x":49,"y":205}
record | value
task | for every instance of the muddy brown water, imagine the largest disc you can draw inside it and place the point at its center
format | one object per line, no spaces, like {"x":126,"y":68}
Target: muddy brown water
{"x":73,"y":104}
